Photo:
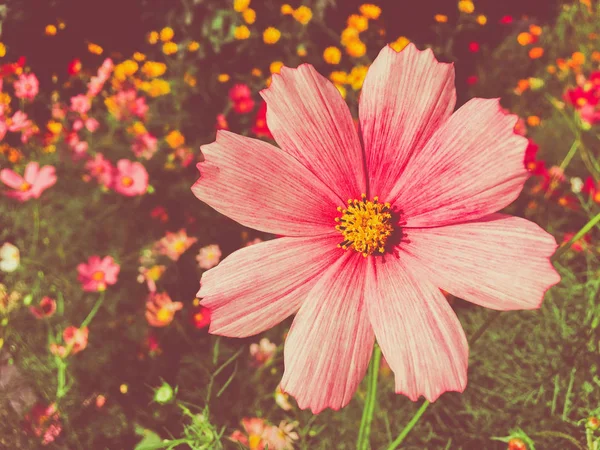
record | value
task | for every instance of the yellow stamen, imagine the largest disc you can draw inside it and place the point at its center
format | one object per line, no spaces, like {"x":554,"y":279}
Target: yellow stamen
{"x":98,"y":276}
{"x":25,"y":186}
{"x":365,"y":225}
{"x":127,"y":181}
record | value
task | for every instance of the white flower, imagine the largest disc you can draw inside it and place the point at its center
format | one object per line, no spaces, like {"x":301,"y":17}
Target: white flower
{"x":9,"y":257}
{"x":576,"y":185}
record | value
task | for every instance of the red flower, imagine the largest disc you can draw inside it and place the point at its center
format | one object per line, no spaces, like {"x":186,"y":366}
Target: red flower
{"x":474,"y":47}
{"x":592,"y":188}
{"x":11,"y":68}
{"x":506,"y":20}
{"x":260,"y":128}
{"x":74,"y":67}
{"x":200,"y":317}
{"x":472,"y":80}
{"x":46,"y":308}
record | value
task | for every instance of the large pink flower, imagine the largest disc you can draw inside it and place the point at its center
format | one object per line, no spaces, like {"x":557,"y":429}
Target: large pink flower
{"x":373,"y":227}
{"x":31,"y":184}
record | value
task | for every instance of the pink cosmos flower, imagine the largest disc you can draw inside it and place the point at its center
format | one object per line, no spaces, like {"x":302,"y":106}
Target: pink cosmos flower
{"x":209,"y":256}
{"x":97,"y":274}
{"x":45,"y":309}
{"x":173,"y":245}
{"x":91,"y":124}
{"x":130,"y":178}
{"x":100,"y":168}
{"x":254,"y":435}
{"x":44,"y":422}
{"x":3,"y":126}
{"x":19,"y":122}
{"x":80,"y":103}
{"x":373,"y":227}
{"x":282,"y":437}
{"x":160,"y":309}
{"x":144,"y":146}
{"x":27,"y":86}
{"x":31,"y":184}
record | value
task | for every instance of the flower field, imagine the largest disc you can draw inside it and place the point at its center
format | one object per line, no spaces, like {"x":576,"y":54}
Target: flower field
{"x":276,"y":226}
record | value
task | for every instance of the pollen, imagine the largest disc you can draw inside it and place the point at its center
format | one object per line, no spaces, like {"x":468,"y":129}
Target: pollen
{"x":365,"y":225}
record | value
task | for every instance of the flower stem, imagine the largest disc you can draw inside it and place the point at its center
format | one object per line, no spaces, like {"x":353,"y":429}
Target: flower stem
{"x":409,"y":426}
{"x":93,"y":312}
{"x":565,"y":162}
{"x":367,"y":417}
{"x":587,"y":227}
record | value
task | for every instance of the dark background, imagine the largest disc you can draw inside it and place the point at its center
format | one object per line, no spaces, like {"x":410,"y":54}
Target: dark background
{"x":121,"y":25}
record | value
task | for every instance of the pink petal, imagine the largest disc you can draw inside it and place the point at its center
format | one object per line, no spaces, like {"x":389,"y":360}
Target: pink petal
{"x":419,"y":334}
{"x":257,"y":287}
{"x":31,"y":172}
{"x":310,"y":120}
{"x":44,"y":179}
{"x":471,"y":167}
{"x":405,"y":97}
{"x":329,"y":345}
{"x":500,"y":262}
{"x":11,"y":178}
{"x":262,"y":187}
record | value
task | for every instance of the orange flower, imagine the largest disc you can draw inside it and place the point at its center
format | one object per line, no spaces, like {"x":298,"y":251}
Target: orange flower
{"x":160,"y":309}
{"x":370,"y":11}
{"x":525,"y":38}
{"x":440,"y":18}
{"x":536,"y":52}
{"x":535,"y":30}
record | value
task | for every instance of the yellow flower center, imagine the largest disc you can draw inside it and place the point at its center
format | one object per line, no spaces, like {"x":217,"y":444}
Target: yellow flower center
{"x":127,"y":181}
{"x":98,"y":276}
{"x":25,"y":186}
{"x":164,"y":315}
{"x":365,"y":225}
{"x":254,"y":441}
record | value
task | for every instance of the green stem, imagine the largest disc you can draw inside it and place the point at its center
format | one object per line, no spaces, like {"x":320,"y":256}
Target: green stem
{"x":364,"y":432}
{"x":570,"y":154}
{"x":587,"y":227}
{"x":410,"y":425}
{"x":93,"y":312}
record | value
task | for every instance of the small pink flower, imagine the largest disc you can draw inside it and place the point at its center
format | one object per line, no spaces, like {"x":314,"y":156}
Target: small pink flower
{"x":144,"y":146}
{"x":97,"y":274}
{"x":130,"y":178}
{"x":281,"y":437}
{"x":76,"y":338}
{"x":254,"y":436}
{"x":80,"y":103}
{"x":45,"y":309}
{"x":91,"y":124}
{"x":31,"y":184}
{"x":27,"y":86}
{"x":209,"y":256}
{"x":3,"y":128}
{"x":241,"y":97}
{"x":100,"y":168}
{"x":160,"y":309}
{"x":173,"y":245}
{"x":19,"y":122}
{"x":58,"y":111}
{"x":263,"y":352}
{"x":44,"y":422}
{"x":95,"y":86}
{"x":374,"y":223}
